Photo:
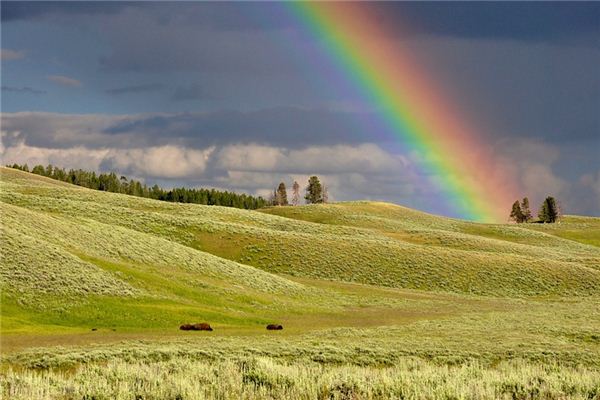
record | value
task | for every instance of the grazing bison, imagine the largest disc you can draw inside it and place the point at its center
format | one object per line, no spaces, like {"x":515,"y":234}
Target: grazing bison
{"x":274,"y":327}
{"x":196,"y":327}
{"x":202,"y":327}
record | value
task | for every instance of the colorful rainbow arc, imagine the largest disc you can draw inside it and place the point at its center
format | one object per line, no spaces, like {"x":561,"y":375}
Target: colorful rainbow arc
{"x":415,"y":113}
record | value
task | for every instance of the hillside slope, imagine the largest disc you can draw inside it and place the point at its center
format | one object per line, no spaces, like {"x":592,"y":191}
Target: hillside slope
{"x":364,"y":242}
{"x":67,"y":269}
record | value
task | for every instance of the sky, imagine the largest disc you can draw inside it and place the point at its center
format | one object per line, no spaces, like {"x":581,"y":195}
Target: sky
{"x":240,"y":96}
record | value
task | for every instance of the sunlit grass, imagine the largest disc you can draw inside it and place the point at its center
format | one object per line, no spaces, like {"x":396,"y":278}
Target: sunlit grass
{"x":265,"y":378}
{"x":376,"y":300}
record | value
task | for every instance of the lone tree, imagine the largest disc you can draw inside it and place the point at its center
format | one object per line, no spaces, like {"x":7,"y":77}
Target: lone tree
{"x":295,"y":193}
{"x":527,"y":216}
{"x":516,"y":214}
{"x":548,"y":210}
{"x":281,"y":195}
{"x":314,"y":191}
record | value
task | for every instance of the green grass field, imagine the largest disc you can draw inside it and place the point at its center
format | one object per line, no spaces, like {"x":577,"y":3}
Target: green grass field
{"x":377,"y":301}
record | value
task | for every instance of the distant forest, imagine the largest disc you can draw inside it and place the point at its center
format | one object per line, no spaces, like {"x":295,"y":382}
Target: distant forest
{"x":110,"y":182}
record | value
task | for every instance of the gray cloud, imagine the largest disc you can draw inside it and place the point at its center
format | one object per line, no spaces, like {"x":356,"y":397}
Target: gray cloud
{"x":244,"y":151}
{"x":51,"y":130}
{"x":545,"y":91}
{"x":523,"y":76}
{"x":289,"y":127}
{"x":522,"y":21}
{"x":167,"y":46}
{"x":23,"y":89}
{"x":22,"y":10}
{"x":351,"y":171}
{"x":143,"y":88}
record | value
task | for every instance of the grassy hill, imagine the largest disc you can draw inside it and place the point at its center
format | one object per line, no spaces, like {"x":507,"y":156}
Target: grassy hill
{"x":358,"y":282}
{"x":374,"y":243}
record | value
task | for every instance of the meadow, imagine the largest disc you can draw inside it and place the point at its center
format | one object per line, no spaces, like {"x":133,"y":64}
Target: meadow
{"x":377,"y":301}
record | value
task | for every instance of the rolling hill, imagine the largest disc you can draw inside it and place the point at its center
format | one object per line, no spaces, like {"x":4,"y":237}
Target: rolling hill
{"x":91,"y":238}
{"x":110,"y":277}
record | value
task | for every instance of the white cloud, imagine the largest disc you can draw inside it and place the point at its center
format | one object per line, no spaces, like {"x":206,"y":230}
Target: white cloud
{"x":169,"y":162}
{"x":365,"y":158}
{"x":160,"y":161}
{"x":74,"y":157}
{"x":352,"y":171}
{"x":64,"y":80}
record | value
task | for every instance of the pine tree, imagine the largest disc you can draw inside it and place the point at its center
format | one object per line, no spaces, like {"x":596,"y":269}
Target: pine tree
{"x":314,"y":191}
{"x":281,"y":194}
{"x":295,"y":193}
{"x":548,"y":210}
{"x":527,"y":216}
{"x":110,"y":182}
{"x":516,"y":214}
{"x":543,"y":212}
{"x":39,"y":170}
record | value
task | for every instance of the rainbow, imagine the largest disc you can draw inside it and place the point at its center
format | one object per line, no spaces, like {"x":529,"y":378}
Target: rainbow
{"x":412,"y":106}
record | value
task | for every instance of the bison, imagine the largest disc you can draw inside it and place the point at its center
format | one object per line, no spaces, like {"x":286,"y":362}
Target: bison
{"x":274,"y":327}
{"x":186,"y":327}
{"x":202,"y":327}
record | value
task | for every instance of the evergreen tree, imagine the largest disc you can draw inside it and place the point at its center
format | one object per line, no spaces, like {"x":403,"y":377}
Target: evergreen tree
{"x":39,"y":170}
{"x":516,"y":214}
{"x":314,"y":191}
{"x":281,"y":194}
{"x":109,"y":182}
{"x":527,"y":216}
{"x":548,"y":211}
{"x":295,"y":193}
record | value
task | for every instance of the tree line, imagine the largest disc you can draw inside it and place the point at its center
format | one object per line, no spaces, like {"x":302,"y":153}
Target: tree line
{"x":110,"y":182}
{"x":549,"y":211}
{"x":315,"y":193}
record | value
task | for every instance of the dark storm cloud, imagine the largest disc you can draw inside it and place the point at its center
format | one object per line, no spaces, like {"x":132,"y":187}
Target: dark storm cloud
{"x":537,"y":90}
{"x":24,"y":89}
{"x":514,"y":20}
{"x":30,"y":10}
{"x":214,"y":15}
{"x":150,"y":87}
{"x":173,"y":46}
{"x":511,"y":20}
{"x":525,"y":74}
{"x":288,"y":126}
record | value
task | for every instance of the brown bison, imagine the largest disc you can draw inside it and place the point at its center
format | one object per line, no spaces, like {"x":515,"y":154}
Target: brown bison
{"x":196,"y":327}
{"x":202,"y":327}
{"x":274,"y":327}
